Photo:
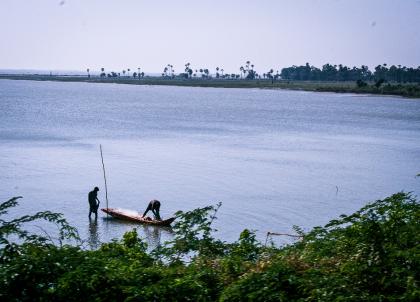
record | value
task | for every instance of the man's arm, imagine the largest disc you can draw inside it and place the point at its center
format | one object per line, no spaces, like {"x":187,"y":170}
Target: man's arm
{"x":147,"y":210}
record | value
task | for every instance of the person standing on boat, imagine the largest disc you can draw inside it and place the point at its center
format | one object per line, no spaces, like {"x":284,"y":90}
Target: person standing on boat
{"x":154,"y":206}
{"x":93,"y":202}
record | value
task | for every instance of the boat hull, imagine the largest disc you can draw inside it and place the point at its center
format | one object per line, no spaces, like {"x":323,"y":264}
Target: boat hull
{"x":116,"y":213}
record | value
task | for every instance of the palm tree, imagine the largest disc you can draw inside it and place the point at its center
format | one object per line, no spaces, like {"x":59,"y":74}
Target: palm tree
{"x":138,"y":69}
{"x":128,"y":69}
{"x":123,"y":72}
{"x":88,"y":72}
{"x":242,"y":70}
{"x":169,"y":70}
{"x":187,"y":69}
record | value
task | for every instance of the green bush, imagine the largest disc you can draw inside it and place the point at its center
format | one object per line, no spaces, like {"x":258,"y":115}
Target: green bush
{"x":371,"y":255}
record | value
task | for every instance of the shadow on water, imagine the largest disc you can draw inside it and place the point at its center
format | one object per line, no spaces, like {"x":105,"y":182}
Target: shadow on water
{"x":153,"y":235}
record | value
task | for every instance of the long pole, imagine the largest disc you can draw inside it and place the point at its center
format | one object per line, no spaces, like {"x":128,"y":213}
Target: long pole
{"x":103,"y":168}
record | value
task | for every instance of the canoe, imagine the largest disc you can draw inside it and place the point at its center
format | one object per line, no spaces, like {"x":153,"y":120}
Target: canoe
{"x":121,"y":214}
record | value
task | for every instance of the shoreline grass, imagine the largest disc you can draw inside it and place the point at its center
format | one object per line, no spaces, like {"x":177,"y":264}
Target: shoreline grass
{"x":409,"y":90}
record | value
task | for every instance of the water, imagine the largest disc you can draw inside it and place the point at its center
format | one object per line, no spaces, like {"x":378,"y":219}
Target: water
{"x":274,"y":158}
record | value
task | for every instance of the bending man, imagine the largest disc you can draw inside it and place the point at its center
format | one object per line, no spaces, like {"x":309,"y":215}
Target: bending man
{"x":154,"y":206}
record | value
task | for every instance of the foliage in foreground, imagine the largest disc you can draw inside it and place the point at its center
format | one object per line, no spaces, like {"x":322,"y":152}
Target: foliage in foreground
{"x":370,"y":255}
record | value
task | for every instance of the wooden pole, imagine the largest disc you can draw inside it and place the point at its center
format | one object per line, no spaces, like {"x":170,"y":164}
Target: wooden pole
{"x":106,"y":188}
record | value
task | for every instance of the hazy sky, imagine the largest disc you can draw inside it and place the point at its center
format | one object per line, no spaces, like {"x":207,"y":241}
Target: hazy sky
{"x":120,"y":34}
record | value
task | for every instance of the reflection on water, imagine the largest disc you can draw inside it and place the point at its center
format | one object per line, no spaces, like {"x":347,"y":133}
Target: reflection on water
{"x":93,"y":239}
{"x":153,"y":235}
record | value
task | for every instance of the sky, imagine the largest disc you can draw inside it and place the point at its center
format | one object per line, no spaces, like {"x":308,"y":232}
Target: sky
{"x":121,"y":34}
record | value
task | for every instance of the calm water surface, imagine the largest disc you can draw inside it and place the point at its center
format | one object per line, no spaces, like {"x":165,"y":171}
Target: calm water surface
{"x":274,"y":158}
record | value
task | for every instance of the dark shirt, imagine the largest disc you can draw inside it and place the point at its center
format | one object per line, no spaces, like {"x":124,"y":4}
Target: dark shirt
{"x":92,"y":197}
{"x":154,"y":204}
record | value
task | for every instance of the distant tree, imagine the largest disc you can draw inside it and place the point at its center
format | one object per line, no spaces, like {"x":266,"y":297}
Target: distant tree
{"x":329,"y":73}
{"x":242,"y":70}
{"x":135,"y":75}
{"x":88,"y":72}
{"x":251,"y":75}
{"x":123,"y":72}
{"x":379,"y":82}
{"x":248,"y":71}
{"x":128,"y":71}
{"x":270,"y":76}
{"x":217,"y":72}
{"x":168,"y":71}
{"x":188,"y":70}
{"x":360,"y":83}
{"x":247,"y":63}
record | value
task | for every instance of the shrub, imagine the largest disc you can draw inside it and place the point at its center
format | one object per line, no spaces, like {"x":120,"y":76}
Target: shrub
{"x":371,"y":255}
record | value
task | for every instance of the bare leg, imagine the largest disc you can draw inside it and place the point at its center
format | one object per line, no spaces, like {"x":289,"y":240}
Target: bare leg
{"x":156,"y":213}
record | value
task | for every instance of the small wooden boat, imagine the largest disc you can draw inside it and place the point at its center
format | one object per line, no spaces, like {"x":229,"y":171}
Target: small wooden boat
{"x":120,"y":214}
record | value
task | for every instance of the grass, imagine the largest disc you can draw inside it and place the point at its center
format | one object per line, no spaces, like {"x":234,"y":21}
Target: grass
{"x":411,"y":90}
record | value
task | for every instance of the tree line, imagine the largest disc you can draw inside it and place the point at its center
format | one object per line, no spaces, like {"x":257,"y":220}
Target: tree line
{"x":328,"y":72}
{"x":307,"y":72}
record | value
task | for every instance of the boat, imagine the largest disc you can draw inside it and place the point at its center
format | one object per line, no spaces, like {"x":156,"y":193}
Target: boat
{"x":135,"y":217}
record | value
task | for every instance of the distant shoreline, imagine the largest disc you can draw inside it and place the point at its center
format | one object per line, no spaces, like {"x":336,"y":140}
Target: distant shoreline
{"x":411,"y":90}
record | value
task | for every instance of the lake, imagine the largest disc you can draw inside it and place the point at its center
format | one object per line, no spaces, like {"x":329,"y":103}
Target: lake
{"x":274,"y":158}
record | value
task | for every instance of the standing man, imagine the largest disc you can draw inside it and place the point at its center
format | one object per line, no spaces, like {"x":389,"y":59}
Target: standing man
{"x":93,"y":202}
{"x":154,"y":206}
